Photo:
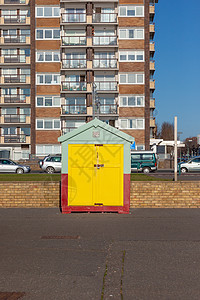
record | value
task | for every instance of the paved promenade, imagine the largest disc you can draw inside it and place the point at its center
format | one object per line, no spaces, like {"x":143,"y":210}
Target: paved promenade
{"x":148,"y":254}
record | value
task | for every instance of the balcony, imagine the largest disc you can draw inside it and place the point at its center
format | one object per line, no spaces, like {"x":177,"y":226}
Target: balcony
{"x":152,"y":28}
{"x":152,"y":84}
{"x":18,"y":39}
{"x":152,"y":103}
{"x":73,"y":109}
{"x":10,"y":119}
{"x":105,"y":63}
{"x":152,"y":46}
{"x":73,"y":18}
{"x":15,"y":139}
{"x":104,"y":18}
{"x":74,"y":86}
{"x":14,"y":19}
{"x":14,"y":78}
{"x":152,"y":122}
{"x":107,"y":109}
{"x":14,"y":2}
{"x":15,"y":99}
{"x":106,"y":86}
{"x":67,"y":129}
{"x":74,"y":41}
{"x":152,"y":9}
{"x":152,"y":65}
{"x":15,"y":59}
{"x":74,"y":63}
{"x":104,"y":40}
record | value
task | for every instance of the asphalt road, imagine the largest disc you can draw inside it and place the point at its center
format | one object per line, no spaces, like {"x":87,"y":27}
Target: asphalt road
{"x":148,"y":254}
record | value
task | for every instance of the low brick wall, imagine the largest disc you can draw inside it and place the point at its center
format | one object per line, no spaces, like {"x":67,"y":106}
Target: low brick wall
{"x":143,"y":194}
{"x":29,"y":194}
{"x":164,"y":194}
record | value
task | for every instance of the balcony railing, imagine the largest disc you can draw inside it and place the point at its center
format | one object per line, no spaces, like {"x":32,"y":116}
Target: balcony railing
{"x":15,"y":58}
{"x":104,"y":40}
{"x":74,"y":40}
{"x":15,"y":138}
{"x":14,"y":78}
{"x":108,"y":109}
{"x":104,"y":63}
{"x":15,"y":19}
{"x":16,"y":2}
{"x":73,"y":18}
{"x":74,"y":109}
{"x":74,"y":86}
{"x":74,"y":63}
{"x":15,"y":99}
{"x":67,"y":129}
{"x":104,"y":18}
{"x":106,"y":85}
{"x":15,"y":119}
{"x":17,"y":39}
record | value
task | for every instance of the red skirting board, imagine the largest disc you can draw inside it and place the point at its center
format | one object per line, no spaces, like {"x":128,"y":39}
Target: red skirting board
{"x":66,"y":209}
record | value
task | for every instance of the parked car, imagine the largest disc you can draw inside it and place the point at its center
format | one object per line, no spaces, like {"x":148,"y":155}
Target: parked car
{"x":51,"y":164}
{"x":192,"y":165}
{"x":144,"y":161}
{"x":9,"y":166}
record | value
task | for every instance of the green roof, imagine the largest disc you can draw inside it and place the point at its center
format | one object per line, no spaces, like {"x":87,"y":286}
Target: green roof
{"x":96,"y":123}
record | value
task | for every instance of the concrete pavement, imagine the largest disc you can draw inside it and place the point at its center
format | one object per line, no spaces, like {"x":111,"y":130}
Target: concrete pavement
{"x":148,"y":254}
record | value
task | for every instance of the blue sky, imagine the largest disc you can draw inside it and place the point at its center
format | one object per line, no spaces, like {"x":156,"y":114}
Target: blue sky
{"x":177,"y":60}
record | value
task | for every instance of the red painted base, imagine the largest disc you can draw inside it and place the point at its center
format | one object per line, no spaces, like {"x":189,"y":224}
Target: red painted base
{"x":66,"y":209}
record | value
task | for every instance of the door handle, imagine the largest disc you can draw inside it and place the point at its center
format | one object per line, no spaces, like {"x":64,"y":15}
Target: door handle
{"x":98,"y":166}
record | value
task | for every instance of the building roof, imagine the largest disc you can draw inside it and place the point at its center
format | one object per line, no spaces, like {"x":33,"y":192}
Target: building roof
{"x":96,"y":123}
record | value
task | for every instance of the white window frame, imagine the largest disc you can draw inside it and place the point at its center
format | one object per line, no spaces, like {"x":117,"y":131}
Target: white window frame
{"x":128,"y":122}
{"x":132,"y":6}
{"x":127,"y":96}
{"x":127,"y":75}
{"x":131,"y":52}
{"x":53,"y":101}
{"x":45,"y":74}
{"x":44,"y":54}
{"x":43,"y":152}
{"x":53,"y":12}
{"x":48,"y":119}
{"x":127,"y":35}
{"x":45,"y":29}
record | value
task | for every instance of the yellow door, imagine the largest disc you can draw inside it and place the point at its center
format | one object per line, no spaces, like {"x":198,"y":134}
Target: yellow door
{"x":95,"y":175}
{"x":109,"y":175}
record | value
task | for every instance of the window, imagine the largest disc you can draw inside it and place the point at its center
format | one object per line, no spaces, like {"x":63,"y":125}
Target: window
{"x":131,"y":123}
{"x":48,"y":79}
{"x":47,"y":11}
{"x":131,"y":56}
{"x":47,"y":34}
{"x":48,"y":124}
{"x":140,"y":147}
{"x":131,"y":33}
{"x":131,"y":78}
{"x":147,"y":156}
{"x":48,"y":101}
{"x":131,"y":11}
{"x":48,"y":149}
{"x":131,"y":101}
{"x":48,"y":56}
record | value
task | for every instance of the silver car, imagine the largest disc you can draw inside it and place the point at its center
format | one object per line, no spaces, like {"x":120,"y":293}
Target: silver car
{"x":9,"y":166}
{"x":51,"y":164}
{"x":192,"y":165}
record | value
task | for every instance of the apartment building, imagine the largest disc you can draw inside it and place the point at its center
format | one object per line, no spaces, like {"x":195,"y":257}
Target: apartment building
{"x":62,"y":62}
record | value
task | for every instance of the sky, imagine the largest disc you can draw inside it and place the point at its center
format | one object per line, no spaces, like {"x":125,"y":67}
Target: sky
{"x":177,"y":58}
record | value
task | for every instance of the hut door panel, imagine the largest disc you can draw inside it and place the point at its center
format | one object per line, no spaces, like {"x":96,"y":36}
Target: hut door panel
{"x":80,"y":175}
{"x":109,"y":175}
